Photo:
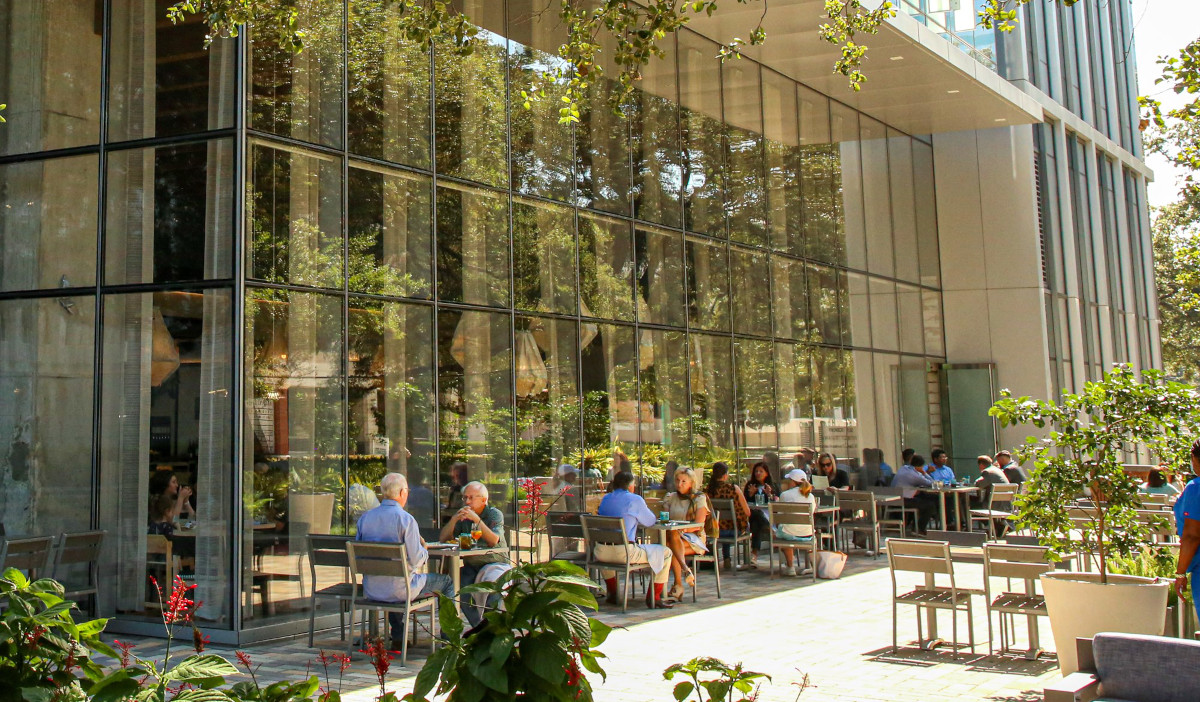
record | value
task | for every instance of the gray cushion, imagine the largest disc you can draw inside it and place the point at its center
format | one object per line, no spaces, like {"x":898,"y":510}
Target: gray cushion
{"x":1147,"y":668}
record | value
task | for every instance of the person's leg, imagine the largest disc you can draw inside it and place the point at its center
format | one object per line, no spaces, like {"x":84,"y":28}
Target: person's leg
{"x":675,"y":545}
{"x":759,"y":525}
{"x":654,"y":593}
{"x":727,"y":536}
{"x":466,"y":603}
{"x":396,"y":625}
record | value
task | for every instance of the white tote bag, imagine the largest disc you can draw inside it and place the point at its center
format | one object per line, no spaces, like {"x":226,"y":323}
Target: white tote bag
{"x":830,"y":564}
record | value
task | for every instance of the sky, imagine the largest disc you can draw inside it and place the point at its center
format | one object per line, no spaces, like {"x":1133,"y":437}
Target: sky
{"x":1161,"y":27}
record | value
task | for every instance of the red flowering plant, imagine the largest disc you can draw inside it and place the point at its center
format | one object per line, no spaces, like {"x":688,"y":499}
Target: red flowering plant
{"x":195,"y":678}
{"x":532,"y":511}
{"x":44,"y":654}
{"x":537,"y":646}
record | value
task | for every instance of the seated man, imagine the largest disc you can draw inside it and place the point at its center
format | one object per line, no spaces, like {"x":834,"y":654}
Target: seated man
{"x":476,"y":515}
{"x":389,"y":523}
{"x":623,"y":502}
{"x":911,"y":477}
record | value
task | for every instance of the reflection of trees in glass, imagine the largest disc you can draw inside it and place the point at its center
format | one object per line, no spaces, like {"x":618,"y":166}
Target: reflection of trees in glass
{"x":298,"y":95}
{"x":751,"y":288}
{"x":654,"y":125}
{"x":472,"y":247}
{"x":660,"y":277}
{"x":602,"y":148}
{"x":390,"y":233}
{"x":824,"y":311}
{"x":388,"y":86}
{"x":606,"y":268}
{"x":747,"y":192}
{"x":470,"y":126}
{"x":755,"y":393}
{"x":544,"y":257}
{"x":548,"y":417}
{"x":707,"y":284}
{"x":820,"y":180}
{"x":542,"y":148}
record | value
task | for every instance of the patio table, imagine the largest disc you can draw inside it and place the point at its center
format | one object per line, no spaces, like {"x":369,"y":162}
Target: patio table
{"x":941,"y":492}
{"x":454,"y":555}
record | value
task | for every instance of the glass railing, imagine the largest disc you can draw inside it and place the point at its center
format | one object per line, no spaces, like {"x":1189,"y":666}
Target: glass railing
{"x":978,"y":43}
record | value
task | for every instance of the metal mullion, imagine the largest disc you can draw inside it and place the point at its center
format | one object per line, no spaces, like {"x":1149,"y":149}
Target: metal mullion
{"x":54,"y":153}
{"x":172,"y":140}
{"x":512,"y":297}
{"x":97,"y":302}
{"x":237,"y":379}
{"x":345,"y":203}
{"x":433,"y":291}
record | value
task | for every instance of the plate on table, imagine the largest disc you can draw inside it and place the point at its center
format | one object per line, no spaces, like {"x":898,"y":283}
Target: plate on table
{"x":441,"y":544}
{"x":678,"y":522}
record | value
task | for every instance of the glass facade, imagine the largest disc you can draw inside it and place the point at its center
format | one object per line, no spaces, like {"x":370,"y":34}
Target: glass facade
{"x":375,"y":259}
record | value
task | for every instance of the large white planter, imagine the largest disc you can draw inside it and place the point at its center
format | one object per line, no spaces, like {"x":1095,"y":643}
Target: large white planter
{"x":1080,"y":606}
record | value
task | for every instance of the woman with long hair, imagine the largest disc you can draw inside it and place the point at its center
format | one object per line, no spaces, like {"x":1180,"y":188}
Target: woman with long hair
{"x":759,"y":488}
{"x":688,"y":503}
{"x":729,"y":525}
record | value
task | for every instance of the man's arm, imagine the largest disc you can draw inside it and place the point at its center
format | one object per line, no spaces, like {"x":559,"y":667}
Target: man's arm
{"x":490,"y":532}
{"x":642,"y":513}
{"x":1188,"y":543}
{"x":449,"y":528}
{"x":410,"y":536}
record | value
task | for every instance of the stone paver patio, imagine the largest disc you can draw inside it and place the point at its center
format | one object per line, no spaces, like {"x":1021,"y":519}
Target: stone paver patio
{"x":836,"y":632}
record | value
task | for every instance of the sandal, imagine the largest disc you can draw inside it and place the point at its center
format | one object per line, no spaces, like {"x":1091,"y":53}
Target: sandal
{"x":689,"y":577}
{"x":676,"y":593}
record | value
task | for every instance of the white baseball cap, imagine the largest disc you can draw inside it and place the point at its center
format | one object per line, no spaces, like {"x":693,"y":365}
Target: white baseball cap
{"x":567,"y":468}
{"x":796,"y":475}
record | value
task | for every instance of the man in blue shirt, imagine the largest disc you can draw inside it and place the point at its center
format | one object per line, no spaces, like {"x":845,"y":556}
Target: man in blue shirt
{"x":389,"y":523}
{"x":911,"y":478}
{"x":941,"y":469}
{"x":623,"y":502}
{"x":1187,"y":522}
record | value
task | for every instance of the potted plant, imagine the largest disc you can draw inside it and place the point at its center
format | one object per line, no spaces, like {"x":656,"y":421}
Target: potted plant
{"x":1089,"y":435}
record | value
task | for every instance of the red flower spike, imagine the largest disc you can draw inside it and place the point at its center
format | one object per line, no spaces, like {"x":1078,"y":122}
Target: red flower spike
{"x":125,"y":647}
{"x":244,"y":659}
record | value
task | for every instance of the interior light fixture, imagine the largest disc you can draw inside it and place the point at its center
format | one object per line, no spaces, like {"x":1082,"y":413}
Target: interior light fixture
{"x":953,"y":92}
{"x":1001,"y":119}
{"x":897,"y":58}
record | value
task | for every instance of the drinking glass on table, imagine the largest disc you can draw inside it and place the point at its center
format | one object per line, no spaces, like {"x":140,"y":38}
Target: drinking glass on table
{"x":476,"y":534}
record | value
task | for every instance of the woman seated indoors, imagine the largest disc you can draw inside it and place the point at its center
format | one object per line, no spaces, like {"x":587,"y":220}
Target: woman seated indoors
{"x":176,"y":500}
{"x":797,"y":490}
{"x":688,"y":504}
{"x":730,"y":525}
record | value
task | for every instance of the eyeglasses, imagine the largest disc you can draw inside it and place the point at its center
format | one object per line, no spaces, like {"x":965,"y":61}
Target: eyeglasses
{"x":826,"y":465}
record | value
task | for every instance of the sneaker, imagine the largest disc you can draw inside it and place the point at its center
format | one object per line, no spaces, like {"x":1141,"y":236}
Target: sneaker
{"x":790,"y":571}
{"x":802,"y":573}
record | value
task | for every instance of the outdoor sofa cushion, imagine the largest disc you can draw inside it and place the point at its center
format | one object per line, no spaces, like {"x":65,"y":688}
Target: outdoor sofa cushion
{"x":1144,"y":668}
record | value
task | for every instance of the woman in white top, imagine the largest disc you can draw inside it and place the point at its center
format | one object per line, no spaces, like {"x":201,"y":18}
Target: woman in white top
{"x":687,"y":503}
{"x":797,"y":490}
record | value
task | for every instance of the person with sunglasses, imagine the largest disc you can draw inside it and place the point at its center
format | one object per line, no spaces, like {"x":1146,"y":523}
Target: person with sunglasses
{"x":839,"y":478}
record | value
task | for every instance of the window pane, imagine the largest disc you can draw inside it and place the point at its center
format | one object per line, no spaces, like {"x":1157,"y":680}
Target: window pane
{"x":544,"y":257}
{"x":163,"y":80}
{"x":47,"y":373}
{"x":884,"y":331}
{"x":542,"y":147}
{"x":295,"y":211}
{"x":388,"y":91}
{"x":856,"y":329}
{"x":819,"y":183}
{"x":657,"y":170}
{"x":783,"y":162}
{"x":470,"y":119}
{"x":391,"y":235}
{"x":912,"y":327}
{"x":602,"y":141}
{"x":606,"y":268}
{"x":791,"y":298}
{"x":926,"y":214}
{"x":711,"y":364}
{"x":793,"y":389}
{"x":877,"y":199}
{"x":755,"y":397}
{"x":472,"y":247}
{"x":293,"y":440}
{"x":166,"y":426}
{"x":931,"y":313}
{"x":830,"y":407}
{"x":299,"y":95}
{"x":475,"y":397}
{"x":847,"y":228}
{"x":904,"y":222}
{"x":751,"y":275}
{"x":703,"y":135}
{"x":660,"y":277}
{"x":48,"y":222}
{"x":609,"y":369}
{"x":665,"y":429}
{"x":747,"y":201}
{"x":170,"y":214}
{"x":50,"y":61}
{"x":390,"y":403}
{"x":707,"y":285}
{"x":823,"y":305}
{"x":548,"y":394}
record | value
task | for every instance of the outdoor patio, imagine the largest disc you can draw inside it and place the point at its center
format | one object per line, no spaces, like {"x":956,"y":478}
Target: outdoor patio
{"x":835,"y":632}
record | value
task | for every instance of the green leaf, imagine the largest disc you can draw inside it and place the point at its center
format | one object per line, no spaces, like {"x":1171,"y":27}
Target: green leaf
{"x":200,"y":670}
{"x":448,"y":619}
{"x":428,"y":677}
{"x":545,"y":656}
{"x":683,"y":689}
{"x":117,"y":685}
{"x":202,"y":696}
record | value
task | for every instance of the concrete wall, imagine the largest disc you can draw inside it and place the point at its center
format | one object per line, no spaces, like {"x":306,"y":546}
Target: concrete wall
{"x":991,"y":258}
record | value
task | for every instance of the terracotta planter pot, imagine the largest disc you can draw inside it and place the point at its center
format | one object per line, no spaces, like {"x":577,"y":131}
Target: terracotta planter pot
{"x":1081,"y":607}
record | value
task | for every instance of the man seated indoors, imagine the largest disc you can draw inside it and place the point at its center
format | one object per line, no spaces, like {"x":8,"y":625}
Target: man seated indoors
{"x":390,"y":523}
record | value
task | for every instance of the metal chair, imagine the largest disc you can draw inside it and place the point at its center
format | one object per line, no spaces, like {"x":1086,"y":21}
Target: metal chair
{"x":863,"y":516}
{"x":930,"y":558}
{"x":565,"y":530}
{"x":999,"y":506}
{"x":79,"y":548}
{"x":330,"y":551}
{"x":31,"y":554}
{"x":388,"y":560}
{"x":159,"y":545}
{"x":794,"y":514}
{"x":1024,"y":564}
{"x":895,"y":514}
{"x":741,"y":538}
{"x":709,"y":557}
{"x":827,"y":522}
{"x":609,"y":531}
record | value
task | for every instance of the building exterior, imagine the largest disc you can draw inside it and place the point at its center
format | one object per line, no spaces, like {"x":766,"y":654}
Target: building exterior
{"x":279,"y":275}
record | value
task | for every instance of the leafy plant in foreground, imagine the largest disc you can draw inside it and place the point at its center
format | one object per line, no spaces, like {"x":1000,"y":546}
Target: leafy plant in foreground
{"x":730,"y":680}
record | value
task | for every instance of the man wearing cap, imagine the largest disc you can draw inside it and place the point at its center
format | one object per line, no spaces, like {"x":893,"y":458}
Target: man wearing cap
{"x":911,"y":477}
{"x":1014,"y":472}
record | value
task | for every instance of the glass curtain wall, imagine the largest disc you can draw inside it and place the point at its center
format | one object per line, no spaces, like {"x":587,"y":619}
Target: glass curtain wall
{"x":438,"y":281}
